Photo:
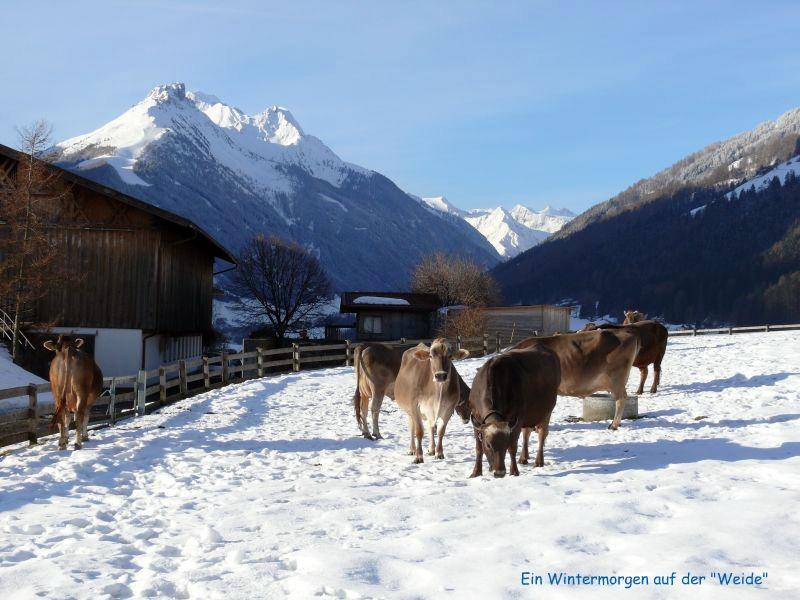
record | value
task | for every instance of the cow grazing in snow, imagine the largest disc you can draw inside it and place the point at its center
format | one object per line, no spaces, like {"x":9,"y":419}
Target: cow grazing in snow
{"x":76,"y":382}
{"x":591,"y":361}
{"x":512,"y":391}
{"x":429,"y":388}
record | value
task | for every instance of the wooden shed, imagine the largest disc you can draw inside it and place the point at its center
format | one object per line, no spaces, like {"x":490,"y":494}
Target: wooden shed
{"x":514,"y":323}
{"x":140,"y":278}
{"x":390,"y":315}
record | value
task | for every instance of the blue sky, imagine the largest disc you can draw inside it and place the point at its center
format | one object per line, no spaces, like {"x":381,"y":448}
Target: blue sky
{"x":562,"y":103}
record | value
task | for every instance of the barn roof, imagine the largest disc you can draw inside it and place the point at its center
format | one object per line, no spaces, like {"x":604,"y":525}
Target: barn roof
{"x":220,"y":250}
{"x":359,"y":301}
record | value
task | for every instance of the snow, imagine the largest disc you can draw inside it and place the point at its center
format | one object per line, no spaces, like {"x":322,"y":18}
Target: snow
{"x":781,"y":172}
{"x":697,"y":210}
{"x":508,"y":236}
{"x":265,"y":489}
{"x":12,"y":376}
{"x":441,"y":204}
{"x":381,"y":300}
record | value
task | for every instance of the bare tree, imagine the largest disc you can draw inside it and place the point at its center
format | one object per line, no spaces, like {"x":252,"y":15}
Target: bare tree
{"x":28,"y":259}
{"x":456,"y":280}
{"x":281,"y":283}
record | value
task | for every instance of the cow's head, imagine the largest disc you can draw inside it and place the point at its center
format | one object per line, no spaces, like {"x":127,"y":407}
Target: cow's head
{"x":63,"y":343}
{"x":441,"y":355}
{"x":589,"y":327}
{"x":495,"y":438}
{"x":633,"y":316}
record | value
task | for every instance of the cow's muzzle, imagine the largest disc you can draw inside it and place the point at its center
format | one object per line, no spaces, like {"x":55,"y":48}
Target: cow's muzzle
{"x":499,"y":474}
{"x":440,"y":376}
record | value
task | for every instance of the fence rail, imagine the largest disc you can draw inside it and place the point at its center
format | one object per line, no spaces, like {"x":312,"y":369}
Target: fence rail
{"x":136,"y":395}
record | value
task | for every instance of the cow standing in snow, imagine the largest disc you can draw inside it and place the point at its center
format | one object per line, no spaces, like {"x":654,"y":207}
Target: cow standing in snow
{"x":428,"y":388}
{"x":76,"y":381}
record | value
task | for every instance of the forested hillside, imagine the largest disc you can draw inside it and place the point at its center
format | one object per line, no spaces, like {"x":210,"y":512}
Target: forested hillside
{"x":695,"y":255}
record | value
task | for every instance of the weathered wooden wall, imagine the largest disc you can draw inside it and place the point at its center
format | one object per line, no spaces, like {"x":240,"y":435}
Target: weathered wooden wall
{"x":515,"y":323}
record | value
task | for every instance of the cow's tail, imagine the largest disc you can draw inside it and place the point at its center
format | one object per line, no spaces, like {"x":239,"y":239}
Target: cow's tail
{"x":60,"y":400}
{"x":357,"y":395}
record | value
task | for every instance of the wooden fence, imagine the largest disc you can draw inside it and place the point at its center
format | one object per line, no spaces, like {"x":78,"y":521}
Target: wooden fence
{"x":140,"y":394}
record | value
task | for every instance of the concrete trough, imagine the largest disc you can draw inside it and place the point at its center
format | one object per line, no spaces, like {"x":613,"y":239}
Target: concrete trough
{"x":601,"y":407}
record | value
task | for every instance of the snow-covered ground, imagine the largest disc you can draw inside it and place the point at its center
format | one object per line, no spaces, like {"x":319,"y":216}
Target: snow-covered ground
{"x":11,"y":376}
{"x":264,"y":489}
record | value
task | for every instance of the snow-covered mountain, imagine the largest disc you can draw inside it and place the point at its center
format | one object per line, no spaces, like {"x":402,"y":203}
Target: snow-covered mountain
{"x":509,"y":231}
{"x":732,"y":161}
{"x":238,"y":175}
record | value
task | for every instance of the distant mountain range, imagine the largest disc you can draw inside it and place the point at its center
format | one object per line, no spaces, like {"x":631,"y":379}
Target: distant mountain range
{"x":509,"y":231}
{"x":714,"y":238}
{"x":238,"y":175}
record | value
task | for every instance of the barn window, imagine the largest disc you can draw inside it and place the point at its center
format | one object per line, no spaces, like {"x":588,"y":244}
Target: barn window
{"x":373,"y":325}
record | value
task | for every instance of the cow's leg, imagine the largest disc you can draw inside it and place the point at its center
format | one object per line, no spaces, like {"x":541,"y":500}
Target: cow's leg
{"x":642,"y":379}
{"x":412,"y":448}
{"x":656,"y":377}
{"x":440,"y":429}
{"x":512,"y":452}
{"x":418,"y":430}
{"x":80,"y":415}
{"x":431,"y":418}
{"x":63,"y":429}
{"x":620,"y":398}
{"x":377,"y":400}
{"x":477,"y":471}
{"x":543,"y":429}
{"x":364,"y":412}
{"x":86,"y":416}
{"x":526,"y":435}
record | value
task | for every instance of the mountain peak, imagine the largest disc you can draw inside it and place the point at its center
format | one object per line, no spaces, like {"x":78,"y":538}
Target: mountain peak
{"x":166,"y":92}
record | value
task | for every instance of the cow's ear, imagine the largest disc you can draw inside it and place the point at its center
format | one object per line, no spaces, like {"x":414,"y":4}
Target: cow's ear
{"x":421,"y":354}
{"x":459,"y":354}
{"x":79,"y":342}
{"x":50,"y":345}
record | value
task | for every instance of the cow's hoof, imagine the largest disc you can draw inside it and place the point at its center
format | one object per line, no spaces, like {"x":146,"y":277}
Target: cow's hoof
{"x":78,"y":446}
{"x":613,"y":427}
{"x":431,"y":452}
{"x":476,"y":474}
{"x":440,"y":455}
{"x":515,"y":473}
{"x":367,"y":436}
{"x":377,"y":436}
{"x":418,"y":460}
{"x":62,"y":446}
{"x":411,"y":453}
{"x":538,"y":465}
{"x":523,"y":461}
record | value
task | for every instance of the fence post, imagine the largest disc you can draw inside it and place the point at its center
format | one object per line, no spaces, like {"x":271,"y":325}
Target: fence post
{"x":348,"y":352}
{"x":141,"y":392}
{"x":162,"y":384}
{"x":485,"y":343}
{"x":33,"y":420}
{"x":183,"y":375}
{"x":112,"y":402}
{"x":497,"y":342}
{"x":225,"y":373}
{"x":458,"y":342}
{"x":260,"y":359}
{"x":766,"y":327}
{"x":694,"y":331}
{"x":206,"y":373}
{"x":295,"y":357}
{"x":402,"y":340}
{"x":730,"y":330}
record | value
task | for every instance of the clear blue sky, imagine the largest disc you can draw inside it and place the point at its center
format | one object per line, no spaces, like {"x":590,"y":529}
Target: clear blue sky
{"x":488,"y":103}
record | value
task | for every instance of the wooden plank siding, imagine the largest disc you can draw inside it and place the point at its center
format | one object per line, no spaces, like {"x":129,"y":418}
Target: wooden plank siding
{"x":515,"y":323}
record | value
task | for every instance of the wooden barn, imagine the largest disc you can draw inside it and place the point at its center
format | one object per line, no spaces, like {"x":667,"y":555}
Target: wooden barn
{"x":515,"y":323}
{"x":140,"y":285}
{"x":390,"y":315}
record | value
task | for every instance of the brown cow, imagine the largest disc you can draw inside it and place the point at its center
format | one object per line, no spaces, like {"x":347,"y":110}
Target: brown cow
{"x":591,"y":361}
{"x":652,"y":346}
{"x":428,"y":388}
{"x":377,"y":366}
{"x":512,"y":391}
{"x":76,"y":381}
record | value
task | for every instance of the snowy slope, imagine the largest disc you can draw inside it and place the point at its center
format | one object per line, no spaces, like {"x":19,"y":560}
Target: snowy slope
{"x":238,"y":175}
{"x":265,"y":489}
{"x":11,"y":376}
{"x":760,"y":182}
